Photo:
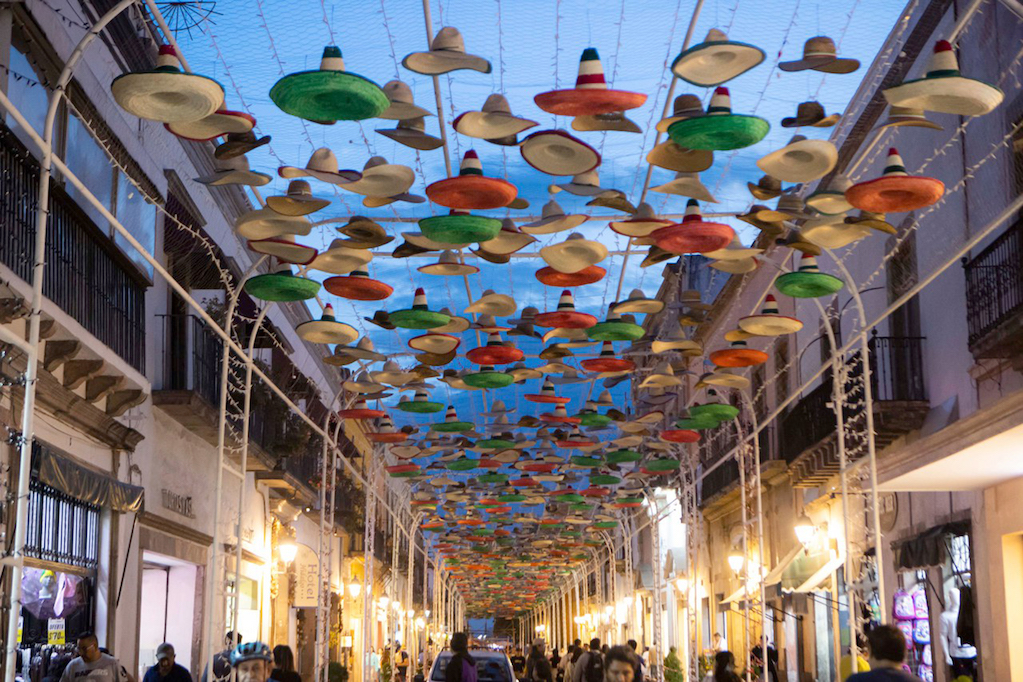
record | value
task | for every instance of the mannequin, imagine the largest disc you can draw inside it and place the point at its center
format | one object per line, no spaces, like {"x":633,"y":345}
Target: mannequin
{"x":47,"y":581}
{"x":961,"y":658}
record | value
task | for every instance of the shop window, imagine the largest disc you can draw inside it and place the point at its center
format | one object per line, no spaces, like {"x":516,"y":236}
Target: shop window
{"x":57,"y":607}
{"x":61,"y":529}
{"x":25,"y":88}
{"x":139,"y":216}
{"x":87,"y":160}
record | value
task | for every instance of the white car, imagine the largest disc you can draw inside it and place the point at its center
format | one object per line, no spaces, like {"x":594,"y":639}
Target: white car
{"x":491,"y":666}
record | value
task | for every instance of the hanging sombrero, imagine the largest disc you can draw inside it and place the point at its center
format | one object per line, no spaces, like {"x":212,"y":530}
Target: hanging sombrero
{"x":555,"y":152}
{"x":402,"y":103}
{"x":281,"y":286}
{"x":451,"y":424}
{"x":574,"y":254}
{"x":509,"y":239}
{"x":459,"y":228}
{"x":738,"y":355}
{"x":660,"y":466}
{"x":488,"y":377}
{"x":716,"y":409}
{"x":686,"y":185}
{"x":671,"y":156}
{"x":448,"y":265}
{"x":420,"y":404}
{"x":566,"y":316}
{"x":446,"y":54}
{"x":614,"y":121}
{"x":801,"y":160}
{"x":221,"y":122}
{"x":944,"y":89}
{"x":820,"y":54}
{"x":832,"y":232}
{"x":895,"y":191}
{"x":327,"y":329}
{"x":166,"y":94}
{"x":380,"y":179}
{"x":552,"y":278}
{"x":412,"y":133}
{"x":494,"y":122}
{"x":492,"y":303}
{"x":470,"y":189}
{"x":637,"y":302}
{"x":298,"y":201}
{"x":495,"y":353}
{"x":560,"y":416}
{"x":546,"y":395}
{"x":553,"y":219}
{"x":693,"y":234}
{"x":716,"y":60}
{"x":234,"y":171}
{"x":831,"y":200}
{"x":719,"y":129}
{"x":329,"y":93}
{"x":768,"y":322}
{"x":910,"y":117}
{"x":694,"y":423}
{"x":607,"y":361}
{"x":419,"y":316}
{"x":808,"y":281}
{"x":340,"y":259}
{"x":239,"y":144}
{"x":360,"y":410}
{"x":358,"y":286}
{"x":616,"y":328}
{"x":590,"y":417}
{"x":590,"y":96}
{"x":284,"y":249}
{"x":679,"y":435}
{"x":640,"y":224}
{"x":385,"y":432}
{"x":432,"y":342}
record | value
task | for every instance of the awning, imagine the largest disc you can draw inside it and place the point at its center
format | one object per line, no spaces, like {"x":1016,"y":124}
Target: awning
{"x":775,"y":575}
{"x":806,"y":571}
{"x":736,"y":596}
{"x":829,"y":567}
{"x":928,"y":548}
{"x":86,"y":485}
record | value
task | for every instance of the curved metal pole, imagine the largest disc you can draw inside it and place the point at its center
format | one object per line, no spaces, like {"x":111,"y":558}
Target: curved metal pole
{"x":35,"y":315}
{"x":744,"y":576}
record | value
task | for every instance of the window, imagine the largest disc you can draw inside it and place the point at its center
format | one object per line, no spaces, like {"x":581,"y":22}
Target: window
{"x":139,"y":216}
{"x":87,"y":160}
{"x":25,"y":88}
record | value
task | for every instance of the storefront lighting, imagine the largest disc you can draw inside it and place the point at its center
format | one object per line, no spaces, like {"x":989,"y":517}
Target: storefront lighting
{"x":420,"y":623}
{"x":397,"y":607}
{"x":608,"y":610}
{"x":682,"y":585}
{"x":354,"y":589}
{"x":411,"y":614}
{"x":287,"y":551}
{"x":384,"y":601}
{"x":427,"y":613}
{"x":735,"y":561}
{"x":805,"y":530}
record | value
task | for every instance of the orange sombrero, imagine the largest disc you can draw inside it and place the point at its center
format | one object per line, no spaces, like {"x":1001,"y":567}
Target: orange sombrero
{"x":607,"y":362}
{"x":360,"y":411}
{"x":738,"y":355}
{"x":552,"y":278}
{"x":385,"y":432}
{"x":546,"y":395}
{"x":590,"y":96}
{"x":566,"y":316}
{"x":471,"y":190}
{"x":680,"y":435}
{"x":560,"y":416}
{"x":495,"y":353}
{"x":895,"y":191}
{"x":693,"y":234}
{"x":358,"y":286}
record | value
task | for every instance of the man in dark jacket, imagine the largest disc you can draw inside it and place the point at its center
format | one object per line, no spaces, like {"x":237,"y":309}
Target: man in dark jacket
{"x":166,"y":670}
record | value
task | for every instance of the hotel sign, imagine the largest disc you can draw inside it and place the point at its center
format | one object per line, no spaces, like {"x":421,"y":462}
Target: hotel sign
{"x":177,"y":503}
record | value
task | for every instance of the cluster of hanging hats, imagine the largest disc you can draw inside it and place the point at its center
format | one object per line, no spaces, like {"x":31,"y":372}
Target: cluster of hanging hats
{"x":590,"y":96}
{"x":329,"y":93}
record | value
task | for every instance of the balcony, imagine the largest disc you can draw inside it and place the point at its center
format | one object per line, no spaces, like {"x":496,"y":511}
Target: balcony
{"x":808,"y":430}
{"x":994,"y":295}
{"x":719,"y":491}
{"x":190,"y":390}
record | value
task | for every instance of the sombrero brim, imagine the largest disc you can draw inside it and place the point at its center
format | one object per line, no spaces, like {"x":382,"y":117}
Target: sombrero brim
{"x":547,"y":399}
{"x":873,"y":223}
{"x":738,"y":357}
{"x":484,"y":125}
{"x":800,"y":162}
{"x":498,"y":305}
{"x":213,"y":126}
{"x":555,"y":152}
{"x":448,"y":269}
{"x":341,"y":177}
{"x":554,"y":224}
{"x":719,"y":132}
{"x":494,"y":355}
{"x":488,"y":379}
{"x":615,"y":331}
{"x":585,"y":102}
{"x":167,"y":96}
{"x":769,"y":325}
{"x":266,"y":225}
{"x":459,"y":230}
{"x":808,"y":284}
{"x":386,"y":180}
{"x":763,"y":194}
{"x":570,"y":256}
{"x":377,"y":202}
{"x":607,"y":365}
{"x":358,"y":288}
{"x":895,"y":194}
{"x":418,"y":319}
{"x":453,"y":427}
{"x":829,"y":203}
{"x":833,"y":235}
{"x":735,"y":267}
{"x":232,"y":149}
{"x":548,"y":276}
{"x":908,"y":122}
{"x":387,"y":437}
{"x":329,"y":96}
{"x":438,"y":62}
{"x":295,"y":207}
{"x":670,"y":156}
{"x":686,"y":188}
{"x":718,"y":411}
{"x":335,"y":263}
{"x":403,"y":111}
{"x":684,"y":347}
{"x":414,"y":139}
{"x":577,"y":189}
{"x":680,"y":435}
{"x":565,"y":319}
{"x":643,"y":306}
{"x":420,"y":407}
{"x":472,"y":192}
{"x":946,"y":95}
{"x":824,"y":64}
{"x":327,"y":331}
{"x":506,"y":243}
{"x":638,"y":227}
{"x":281,"y":288}
{"x":364,"y":413}
{"x":235,"y":177}
{"x":601,"y":122}
{"x":715,"y":62}
{"x":283,"y":250}
{"x":796,"y":122}
{"x":694,"y":237}
{"x":435,"y":343}
{"x":422,"y":244}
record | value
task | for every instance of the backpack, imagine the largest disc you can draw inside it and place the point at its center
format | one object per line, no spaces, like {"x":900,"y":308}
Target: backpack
{"x":594,"y":671}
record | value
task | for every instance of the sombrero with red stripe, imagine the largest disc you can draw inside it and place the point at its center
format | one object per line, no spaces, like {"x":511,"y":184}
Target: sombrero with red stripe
{"x":693,"y":234}
{"x":895,"y":191}
{"x":590,"y":96}
{"x":358,"y":286}
{"x":360,"y":411}
{"x":552,"y":278}
{"x":566,"y":316}
{"x":738,"y":355}
{"x":546,"y":395}
{"x":495,"y":353}
{"x":608,"y":362}
{"x":471,"y":190}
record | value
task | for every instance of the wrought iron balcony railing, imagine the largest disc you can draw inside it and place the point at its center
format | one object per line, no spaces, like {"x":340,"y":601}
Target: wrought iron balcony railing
{"x":994,"y":287}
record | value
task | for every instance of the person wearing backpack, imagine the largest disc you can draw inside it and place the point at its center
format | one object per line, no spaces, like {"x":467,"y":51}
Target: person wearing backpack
{"x":590,"y":666}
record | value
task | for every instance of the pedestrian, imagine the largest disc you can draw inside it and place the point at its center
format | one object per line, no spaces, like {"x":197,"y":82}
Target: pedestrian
{"x":640,"y":666}
{"x":462,"y":666}
{"x":862,"y":656}
{"x":539,"y":668}
{"x":374,"y":665}
{"x":222,"y":659}
{"x":620,"y":664}
{"x":284,"y":665}
{"x":887,"y":653}
{"x":401,"y":661}
{"x":555,"y":661}
{"x":92,"y":665}
{"x":252,"y":662}
{"x":652,"y":661}
{"x":166,"y":670}
{"x":757,"y":653}
{"x":565,"y":666}
{"x":518,"y":662}
{"x":428,"y":658}
{"x":719,"y":643}
{"x":590,"y":666}
{"x":724,"y":667}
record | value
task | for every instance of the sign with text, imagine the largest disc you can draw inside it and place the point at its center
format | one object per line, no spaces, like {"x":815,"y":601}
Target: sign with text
{"x":55,"y":631}
{"x":177,"y":503}
{"x":307,"y":571}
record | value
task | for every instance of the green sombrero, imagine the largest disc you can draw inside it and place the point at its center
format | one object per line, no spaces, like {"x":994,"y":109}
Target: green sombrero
{"x":511,"y":497}
{"x":462,"y":464}
{"x":451,"y":423}
{"x":329,"y":93}
{"x":720,"y":412}
{"x":590,"y":417}
{"x":492,"y":478}
{"x":603,"y":525}
{"x":587,"y":462}
{"x":616,"y":328}
{"x":503,"y":442}
{"x":281,"y":286}
{"x":604,"y":479}
{"x":622,"y":456}
{"x":572,"y":498}
{"x":487,"y":377}
{"x":808,"y":281}
{"x":459,"y":228}
{"x":695,"y":423}
{"x":419,"y":316}
{"x":420,"y":404}
{"x":719,"y":129}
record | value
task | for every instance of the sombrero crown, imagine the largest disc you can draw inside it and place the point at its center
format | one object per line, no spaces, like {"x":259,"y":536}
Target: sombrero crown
{"x":808,"y":264}
{"x":720,"y":102}
{"x":770,"y":306}
{"x":471,"y":164}
{"x":894,"y":167}
{"x":591,"y":71}
{"x":943,"y":62}
{"x":693,"y":213}
{"x":567,"y":301}
{"x":419,"y":300}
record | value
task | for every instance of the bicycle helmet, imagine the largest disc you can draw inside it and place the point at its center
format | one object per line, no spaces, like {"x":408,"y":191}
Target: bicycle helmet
{"x":251,"y":651}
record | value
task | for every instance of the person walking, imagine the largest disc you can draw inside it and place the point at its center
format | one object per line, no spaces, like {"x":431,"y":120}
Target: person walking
{"x":462,"y":666}
{"x":590,"y":666}
{"x":166,"y":670}
{"x":724,"y":667}
{"x":401,"y":661}
{"x":640,"y":665}
{"x":565,"y":666}
{"x":374,"y":665}
{"x":518,"y":662}
{"x":252,"y":662}
{"x":887,"y":654}
{"x":284,"y":665}
{"x":620,"y":664}
{"x":92,"y":665}
{"x":539,"y":668}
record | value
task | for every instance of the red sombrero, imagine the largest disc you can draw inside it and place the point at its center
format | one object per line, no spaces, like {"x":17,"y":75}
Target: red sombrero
{"x":471,"y":190}
{"x":595,"y":491}
{"x":546,"y":395}
{"x":607,"y":362}
{"x":590,"y":96}
{"x":738,"y":355}
{"x":495,"y":353}
{"x":553,"y":278}
{"x":560,"y":416}
{"x":693,"y":234}
{"x":360,"y":411}
{"x":539,"y":467}
{"x":358,"y":287}
{"x":895,"y":191}
{"x":680,"y":435}
{"x":387,"y":436}
{"x":402,"y":469}
{"x":526,"y":482}
{"x":566,"y":315}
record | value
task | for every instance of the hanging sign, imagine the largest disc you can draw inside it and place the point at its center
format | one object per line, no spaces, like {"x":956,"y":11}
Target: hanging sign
{"x":21,"y":624}
{"x":55,"y":631}
{"x":307,"y":570}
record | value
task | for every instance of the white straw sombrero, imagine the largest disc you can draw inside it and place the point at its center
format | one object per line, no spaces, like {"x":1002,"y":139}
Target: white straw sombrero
{"x":582,"y":185}
{"x":831,"y":200}
{"x":494,"y":121}
{"x":265,"y":223}
{"x":284,"y":249}
{"x":448,"y":265}
{"x":382,"y":179}
{"x":944,"y":89}
{"x":327,"y":329}
{"x":640,"y":224}
{"x":555,"y":152}
{"x":340,"y":259}
{"x":686,"y":185}
{"x":297,"y":201}
{"x":553,"y":219}
{"x":167,"y":94}
{"x":910,"y":117}
{"x":498,"y":305}
{"x":234,"y":171}
{"x":670,"y":156}
{"x":768,"y":322}
{"x":832,"y":232}
{"x":820,"y":54}
{"x":322,"y":166}
{"x":403,"y":105}
{"x":801,"y":160}
{"x":573,"y":254}
{"x":716,"y":60}
{"x":218,"y":124}
{"x":446,"y":54}
{"x":614,"y":121}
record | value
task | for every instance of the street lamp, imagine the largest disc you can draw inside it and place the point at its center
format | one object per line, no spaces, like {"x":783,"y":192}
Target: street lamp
{"x":805,"y":530}
{"x":736,"y":560}
{"x":354,"y":589}
{"x":288,"y":551}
